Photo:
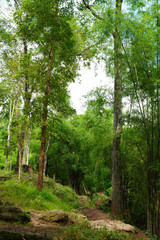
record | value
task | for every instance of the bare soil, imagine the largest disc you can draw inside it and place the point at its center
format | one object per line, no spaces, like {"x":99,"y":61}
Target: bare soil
{"x":96,"y":215}
{"x":45,"y":230}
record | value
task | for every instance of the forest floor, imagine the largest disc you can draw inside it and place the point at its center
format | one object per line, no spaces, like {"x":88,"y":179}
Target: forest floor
{"x":100,"y":219}
{"x":39,"y":227}
{"x":42,"y":229}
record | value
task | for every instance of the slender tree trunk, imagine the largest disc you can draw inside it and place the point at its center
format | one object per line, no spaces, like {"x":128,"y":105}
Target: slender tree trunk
{"x":25,"y":159}
{"x":11,"y":112}
{"x":11,"y":161}
{"x":46,"y":153}
{"x":19,"y":144}
{"x":116,"y":161}
{"x":55,"y":170}
{"x":26,"y":99}
{"x":20,"y":165}
{"x":25,"y":131}
{"x":44,"y":115}
{"x":44,"y":124}
{"x":27,"y":156}
{"x":153,"y":203}
{"x":153,"y":194}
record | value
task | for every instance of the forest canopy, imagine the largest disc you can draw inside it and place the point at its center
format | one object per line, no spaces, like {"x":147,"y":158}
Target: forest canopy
{"x":114,"y":146}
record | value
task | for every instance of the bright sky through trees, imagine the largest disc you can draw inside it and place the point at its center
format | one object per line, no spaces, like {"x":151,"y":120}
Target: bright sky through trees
{"x":89,"y":79}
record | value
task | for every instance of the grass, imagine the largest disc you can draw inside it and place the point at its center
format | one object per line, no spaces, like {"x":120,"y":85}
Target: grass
{"x":85,"y":232}
{"x":53,"y":196}
{"x":26,"y":196}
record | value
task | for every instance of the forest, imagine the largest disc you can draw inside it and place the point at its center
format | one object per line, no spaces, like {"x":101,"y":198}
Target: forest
{"x":114,"y":146}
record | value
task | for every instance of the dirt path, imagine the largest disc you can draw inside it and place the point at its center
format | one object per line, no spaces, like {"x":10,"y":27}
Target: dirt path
{"x":100,"y":219}
{"x":96,"y":217}
{"x":96,"y":214}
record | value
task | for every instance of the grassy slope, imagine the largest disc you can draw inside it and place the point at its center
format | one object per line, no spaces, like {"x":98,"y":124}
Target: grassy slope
{"x":26,"y":196}
{"x":53,"y":196}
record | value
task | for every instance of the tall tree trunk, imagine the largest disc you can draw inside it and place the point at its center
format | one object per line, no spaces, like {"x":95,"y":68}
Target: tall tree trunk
{"x":153,"y":194}
{"x":20,"y":164}
{"x":46,"y":153}
{"x":19,"y":144}
{"x":26,"y":99}
{"x":44,"y":123}
{"x":10,"y":168}
{"x":153,"y":200}
{"x":44,"y":115}
{"x":116,"y":161}
{"x":55,"y":170}
{"x":11,"y":112}
{"x":26,"y":148}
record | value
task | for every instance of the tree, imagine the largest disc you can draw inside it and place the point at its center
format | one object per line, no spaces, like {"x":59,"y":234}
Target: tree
{"x":16,"y":60}
{"x":81,"y":145}
{"x":50,"y":31}
{"x":11,"y":112}
{"x":116,"y":154}
{"x":142,"y":59}
{"x":116,"y":168}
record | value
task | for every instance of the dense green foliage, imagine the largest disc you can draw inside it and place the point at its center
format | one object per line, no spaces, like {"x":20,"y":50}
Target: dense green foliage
{"x":40,"y":48}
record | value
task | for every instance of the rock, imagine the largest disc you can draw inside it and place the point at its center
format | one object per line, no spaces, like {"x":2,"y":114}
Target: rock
{"x":13,"y":214}
{"x":121,"y":226}
{"x":113,"y":225}
{"x":57,"y":216}
{"x":98,"y":224}
{"x":75,"y":218}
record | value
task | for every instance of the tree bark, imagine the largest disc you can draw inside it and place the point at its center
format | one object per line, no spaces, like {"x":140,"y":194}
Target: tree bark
{"x":20,"y":164}
{"x":19,"y":144}
{"x":153,"y":193}
{"x":10,"y":168}
{"x":116,"y":160}
{"x":44,"y":124}
{"x":153,"y":203}
{"x":25,"y":159}
{"x":26,"y":99}
{"x":11,"y":112}
{"x":45,"y":157}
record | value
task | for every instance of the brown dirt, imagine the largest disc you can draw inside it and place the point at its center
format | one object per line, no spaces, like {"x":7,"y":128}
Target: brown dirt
{"x":96,"y":214}
{"x":96,"y":217}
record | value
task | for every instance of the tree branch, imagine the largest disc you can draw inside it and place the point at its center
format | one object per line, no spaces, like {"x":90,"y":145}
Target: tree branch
{"x":84,"y":50}
{"x":91,"y":10}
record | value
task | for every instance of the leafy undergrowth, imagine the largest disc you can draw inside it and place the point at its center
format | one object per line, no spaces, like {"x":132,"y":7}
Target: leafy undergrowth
{"x":85,"y":232}
{"x":26,"y":196}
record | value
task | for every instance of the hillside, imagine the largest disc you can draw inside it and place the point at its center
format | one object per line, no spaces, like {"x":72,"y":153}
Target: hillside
{"x":56,"y":212}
